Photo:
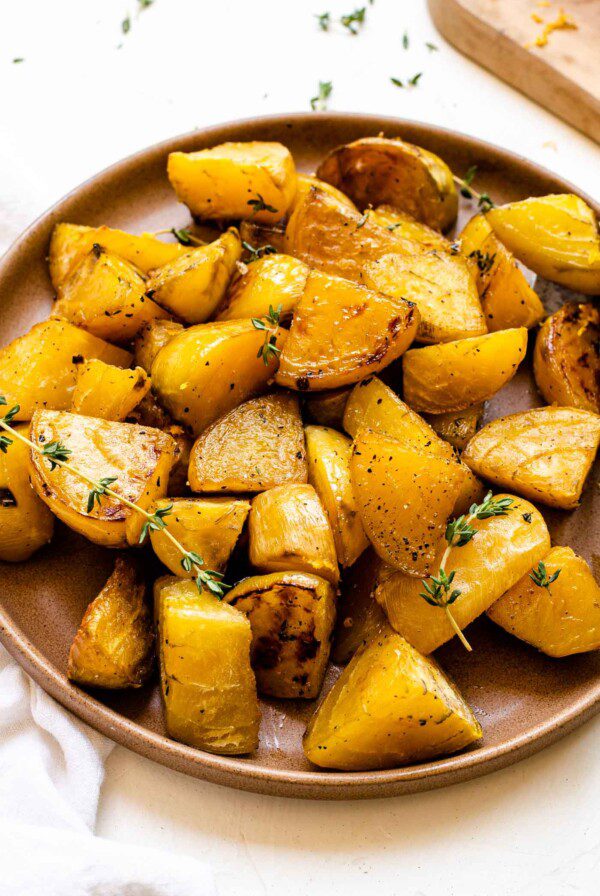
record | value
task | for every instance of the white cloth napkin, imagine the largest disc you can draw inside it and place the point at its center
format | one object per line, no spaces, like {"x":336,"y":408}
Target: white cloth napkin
{"x":51,"y":764}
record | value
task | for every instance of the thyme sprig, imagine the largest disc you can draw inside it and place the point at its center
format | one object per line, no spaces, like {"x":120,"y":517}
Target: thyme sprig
{"x":318,"y":103}
{"x":540,"y":577}
{"x":484,"y":201}
{"x":259,"y":205}
{"x":182,"y":235}
{"x":269,"y":324}
{"x":258,"y":252}
{"x":459,"y":532}
{"x":58,"y":455}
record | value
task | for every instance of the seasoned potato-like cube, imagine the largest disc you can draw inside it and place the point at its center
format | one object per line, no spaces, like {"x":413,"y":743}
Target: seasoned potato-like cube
{"x":210,"y":527}
{"x":292,"y":616}
{"x":39,"y":369}
{"x":70,"y":242}
{"x":566,"y":361}
{"x":139,"y":457}
{"x":26,"y":524}
{"x":359,"y":615}
{"x":404,"y":225}
{"x":456,"y":375}
{"x":389,"y":707}
{"x":556,"y":236}
{"x":255,"y":446}
{"x":235,"y":180}
{"x":151,"y":338}
{"x":209,"y":369}
{"x":327,"y":408}
{"x":457,"y":427}
{"x":271,"y":281}
{"x":103,"y":390}
{"x":114,"y":645}
{"x":404,"y":499}
{"x":289,"y":530}
{"x":503,"y":549}
{"x":329,"y":455}
{"x":340,"y":332}
{"x":106,"y":296}
{"x":506,"y":297}
{"x":372,"y":405}
{"x":441,"y":286}
{"x":376,"y":171}
{"x":208,"y":686}
{"x":331,"y":236}
{"x":560,"y":619}
{"x":192,"y":286}
{"x":544,"y":453}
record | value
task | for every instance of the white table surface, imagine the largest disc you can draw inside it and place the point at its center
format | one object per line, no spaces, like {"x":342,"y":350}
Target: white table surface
{"x":77,"y":103}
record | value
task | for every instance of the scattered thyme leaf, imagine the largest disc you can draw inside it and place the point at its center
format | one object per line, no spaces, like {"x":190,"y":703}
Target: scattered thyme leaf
{"x":483,"y":260}
{"x":324,"y":20}
{"x":18,"y":60}
{"x":318,"y":103}
{"x":354,"y":20}
{"x":397,"y":82}
{"x":431,"y":47}
{"x":526,"y":517}
{"x":126,"y":25}
{"x":405,"y":40}
{"x":362,"y":220}
{"x":258,"y":252}
{"x":415,"y":79}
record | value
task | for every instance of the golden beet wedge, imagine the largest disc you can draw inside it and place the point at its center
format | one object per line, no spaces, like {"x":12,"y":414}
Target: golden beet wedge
{"x":270,"y":281}
{"x":327,"y":408}
{"x":404,"y":225}
{"x":289,"y":530}
{"x":235,"y":180}
{"x":359,"y":615}
{"x":566,"y":360}
{"x":441,"y":286}
{"x":114,"y":645}
{"x":544,"y":453}
{"x":70,"y":242}
{"x":373,"y":405}
{"x":556,"y":236}
{"x":255,"y":446}
{"x":306,"y":182}
{"x":39,"y":369}
{"x":341,"y":332}
{"x":330,"y":235}
{"x":106,"y":296}
{"x":506,"y":297}
{"x":208,"y":369}
{"x":503,"y":549}
{"x":139,"y":457}
{"x":456,"y":375}
{"x":560,"y":619}
{"x":192,"y":286}
{"x":329,"y":454}
{"x":210,"y":527}
{"x":376,"y":171}
{"x":292,"y":616}
{"x":26,"y":524}
{"x":151,"y":338}
{"x":404,"y":499}
{"x":389,"y":707}
{"x":457,"y":427}
{"x":208,"y":686}
{"x":109,"y":392}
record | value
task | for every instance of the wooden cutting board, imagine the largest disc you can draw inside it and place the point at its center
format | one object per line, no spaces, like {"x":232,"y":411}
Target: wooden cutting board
{"x":563,"y":76}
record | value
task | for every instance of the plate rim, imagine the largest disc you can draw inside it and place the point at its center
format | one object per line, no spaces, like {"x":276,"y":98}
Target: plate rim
{"x":248,"y":774}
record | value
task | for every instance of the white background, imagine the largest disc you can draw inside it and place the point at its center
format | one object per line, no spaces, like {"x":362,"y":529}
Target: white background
{"x":76,"y":104}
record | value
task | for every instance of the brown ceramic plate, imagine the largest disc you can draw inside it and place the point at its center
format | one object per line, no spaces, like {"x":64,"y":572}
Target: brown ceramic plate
{"x":523,"y":700}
